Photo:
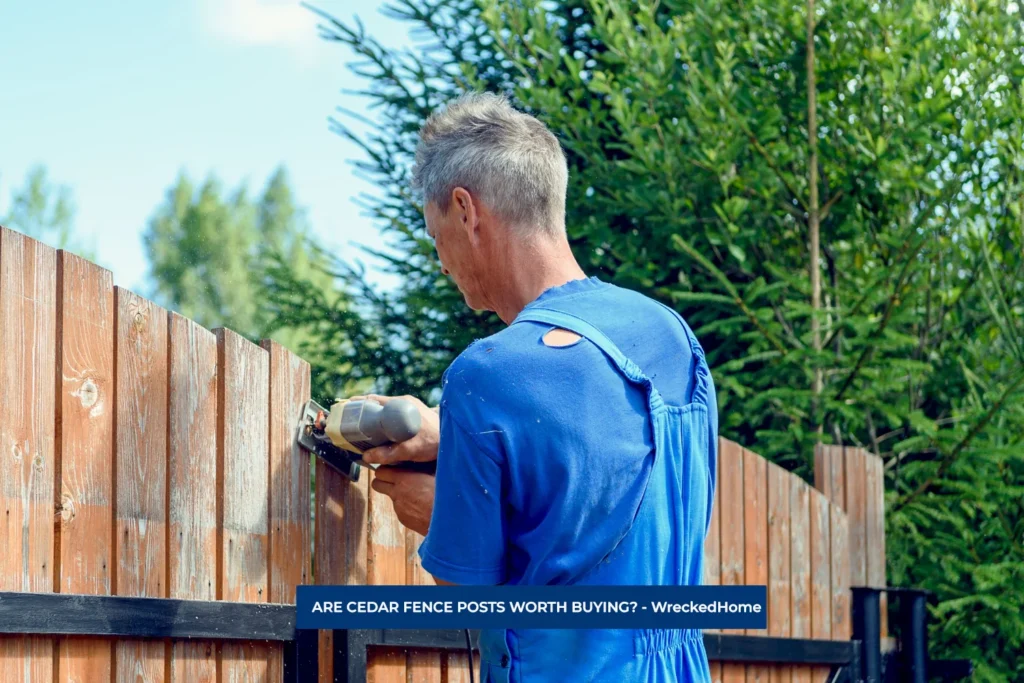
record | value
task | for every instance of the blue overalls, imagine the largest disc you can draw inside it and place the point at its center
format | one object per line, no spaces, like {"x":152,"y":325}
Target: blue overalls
{"x":663,"y":546}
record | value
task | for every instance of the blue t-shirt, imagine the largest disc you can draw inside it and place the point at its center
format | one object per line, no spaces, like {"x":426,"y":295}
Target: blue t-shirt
{"x":544,"y":450}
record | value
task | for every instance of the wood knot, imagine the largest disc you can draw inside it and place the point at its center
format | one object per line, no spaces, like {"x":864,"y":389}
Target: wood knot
{"x":89,"y":393}
{"x":66,"y":511}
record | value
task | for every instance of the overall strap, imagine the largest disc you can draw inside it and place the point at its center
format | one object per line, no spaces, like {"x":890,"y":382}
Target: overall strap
{"x":627,"y":368}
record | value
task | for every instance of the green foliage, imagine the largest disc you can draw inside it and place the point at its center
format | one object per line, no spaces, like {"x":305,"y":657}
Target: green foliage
{"x":210,"y":253}
{"x":686,"y":128}
{"x":46,"y":212}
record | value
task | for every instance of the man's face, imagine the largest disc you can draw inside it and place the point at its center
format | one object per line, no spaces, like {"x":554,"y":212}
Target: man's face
{"x":460,"y":257}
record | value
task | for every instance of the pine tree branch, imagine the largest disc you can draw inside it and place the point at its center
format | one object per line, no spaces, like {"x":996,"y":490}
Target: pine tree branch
{"x":948,"y":460}
{"x":724,"y":281}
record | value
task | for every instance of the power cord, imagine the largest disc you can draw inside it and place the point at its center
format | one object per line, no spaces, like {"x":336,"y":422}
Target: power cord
{"x":469,"y":650}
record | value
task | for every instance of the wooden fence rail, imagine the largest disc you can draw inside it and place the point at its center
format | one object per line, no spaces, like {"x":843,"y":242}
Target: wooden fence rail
{"x":142,"y":455}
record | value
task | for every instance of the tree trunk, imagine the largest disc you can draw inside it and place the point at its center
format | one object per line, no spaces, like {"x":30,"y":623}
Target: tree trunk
{"x":813,"y":219}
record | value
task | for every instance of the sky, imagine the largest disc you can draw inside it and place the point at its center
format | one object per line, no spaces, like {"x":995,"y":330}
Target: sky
{"x":117,"y":97}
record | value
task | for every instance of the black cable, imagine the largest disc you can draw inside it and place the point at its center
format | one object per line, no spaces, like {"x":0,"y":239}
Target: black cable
{"x":469,"y":649}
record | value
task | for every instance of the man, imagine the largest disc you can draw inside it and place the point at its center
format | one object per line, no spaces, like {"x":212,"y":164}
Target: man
{"x":576,"y":446}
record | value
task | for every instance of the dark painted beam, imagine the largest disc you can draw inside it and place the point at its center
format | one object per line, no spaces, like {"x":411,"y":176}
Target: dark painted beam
{"x":58,"y":614}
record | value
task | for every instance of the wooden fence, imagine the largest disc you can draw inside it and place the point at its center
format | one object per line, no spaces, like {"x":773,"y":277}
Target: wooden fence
{"x":142,"y":455}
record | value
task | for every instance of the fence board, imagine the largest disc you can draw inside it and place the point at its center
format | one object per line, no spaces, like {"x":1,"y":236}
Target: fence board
{"x":830,"y":473}
{"x":821,"y":572}
{"x":755,"y":527}
{"x":385,"y":566}
{"x":424,"y":666}
{"x":85,"y":409}
{"x":289,"y":542}
{"x":140,"y":464}
{"x":856,"y":514}
{"x":800,"y":567}
{"x":874,"y":529}
{"x":244,"y":461}
{"x":341,"y":540}
{"x":731,"y":484}
{"x":840,"y":560}
{"x":28,"y":323}
{"x":192,"y":484}
{"x":779,"y":549}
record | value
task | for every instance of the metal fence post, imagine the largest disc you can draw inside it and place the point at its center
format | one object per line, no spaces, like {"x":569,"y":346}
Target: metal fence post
{"x":867,"y":628}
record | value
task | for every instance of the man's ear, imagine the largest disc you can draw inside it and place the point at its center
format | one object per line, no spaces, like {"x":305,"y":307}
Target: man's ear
{"x":466,"y":205}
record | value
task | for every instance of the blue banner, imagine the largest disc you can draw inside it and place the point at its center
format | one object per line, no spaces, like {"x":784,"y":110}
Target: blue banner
{"x":523,"y":607}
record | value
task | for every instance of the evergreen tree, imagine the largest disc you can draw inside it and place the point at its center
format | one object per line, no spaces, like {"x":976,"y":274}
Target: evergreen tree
{"x":830,"y":194}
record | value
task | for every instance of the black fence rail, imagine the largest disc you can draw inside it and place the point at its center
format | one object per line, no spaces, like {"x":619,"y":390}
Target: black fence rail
{"x":854,"y":661}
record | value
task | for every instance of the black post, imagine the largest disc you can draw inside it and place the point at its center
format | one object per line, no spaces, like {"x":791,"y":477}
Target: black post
{"x":301,"y":658}
{"x":867,"y":628}
{"x":913,"y":626}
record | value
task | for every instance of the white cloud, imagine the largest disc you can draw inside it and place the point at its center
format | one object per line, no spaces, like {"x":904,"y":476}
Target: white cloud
{"x":279,"y":23}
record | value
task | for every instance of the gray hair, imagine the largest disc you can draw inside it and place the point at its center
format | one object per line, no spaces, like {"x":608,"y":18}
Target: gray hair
{"x":508,"y":159}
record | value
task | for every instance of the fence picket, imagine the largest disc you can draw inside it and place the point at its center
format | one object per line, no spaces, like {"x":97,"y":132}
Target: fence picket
{"x":192,"y":486}
{"x":289,"y":534}
{"x":85,"y":426}
{"x":800,"y":567}
{"x":140,"y":458}
{"x":28,"y":325}
{"x":243,"y":434}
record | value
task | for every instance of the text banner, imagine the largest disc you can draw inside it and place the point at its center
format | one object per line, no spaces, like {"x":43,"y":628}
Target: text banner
{"x":549,"y":607}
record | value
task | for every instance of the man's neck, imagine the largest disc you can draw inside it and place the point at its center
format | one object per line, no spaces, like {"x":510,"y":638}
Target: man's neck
{"x":531,"y":269}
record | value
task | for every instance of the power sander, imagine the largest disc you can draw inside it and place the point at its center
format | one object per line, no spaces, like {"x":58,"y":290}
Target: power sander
{"x":351,"y":427}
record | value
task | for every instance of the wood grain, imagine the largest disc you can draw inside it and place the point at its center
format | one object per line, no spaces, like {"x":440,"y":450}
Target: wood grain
{"x":385,"y":566}
{"x":856,"y":514}
{"x":830,"y":473}
{"x":28,"y":324}
{"x":837,"y":476}
{"x":874,"y":530}
{"x":457,"y":668}
{"x":140,"y":457}
{"x":85,"y":425}
{"x":192,"y":484}
{"x":243,"y":436}
{"x":423,"y":666}
{"x":800,"y":567}
{"x":340,"y":546}
{"x":289,"y":549}
{"x":755,"y":527}
{"x":821,"y":475}
{"x":779,"y":549}
{"x":840,"y":560}
{"x":821,"y":572}
{"x":730,"y":484}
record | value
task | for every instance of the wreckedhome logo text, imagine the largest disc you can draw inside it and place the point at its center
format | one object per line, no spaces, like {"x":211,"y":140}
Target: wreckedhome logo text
{"x":707,"y":607}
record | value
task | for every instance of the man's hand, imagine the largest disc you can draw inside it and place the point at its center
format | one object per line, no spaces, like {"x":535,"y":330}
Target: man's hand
{"x":412,"y":494}
{"x":420,"y":448}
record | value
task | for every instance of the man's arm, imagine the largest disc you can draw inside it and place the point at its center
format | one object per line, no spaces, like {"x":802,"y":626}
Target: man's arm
{"x":459,"y":511}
